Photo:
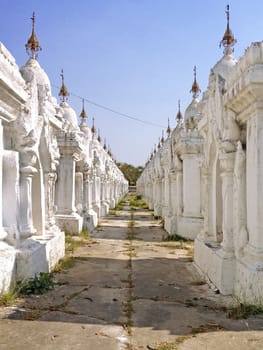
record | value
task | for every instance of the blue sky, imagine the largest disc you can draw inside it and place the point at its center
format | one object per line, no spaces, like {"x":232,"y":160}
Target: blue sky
{"x":134,"y":56}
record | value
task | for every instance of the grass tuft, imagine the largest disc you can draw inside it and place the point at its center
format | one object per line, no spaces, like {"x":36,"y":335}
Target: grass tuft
{"x":9,"y":298}
{"x":136,"y":202}
{"x":64,"y":264}
{"x":244,"y":310}
{"x":175,"y":344}
{"x":131,"y":223}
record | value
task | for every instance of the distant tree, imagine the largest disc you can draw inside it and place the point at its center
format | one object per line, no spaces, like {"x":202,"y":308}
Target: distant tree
{"x":131,"y":172}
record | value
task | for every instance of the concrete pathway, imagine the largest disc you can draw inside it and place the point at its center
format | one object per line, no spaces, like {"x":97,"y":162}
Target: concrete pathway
{"x":128,"y":290}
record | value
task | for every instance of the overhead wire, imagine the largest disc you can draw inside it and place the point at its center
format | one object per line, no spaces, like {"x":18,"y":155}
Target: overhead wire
{"x":121,"y":114}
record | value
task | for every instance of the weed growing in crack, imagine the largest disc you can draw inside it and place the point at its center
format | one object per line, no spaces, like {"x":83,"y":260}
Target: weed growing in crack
{"x":131,"y":223}
{"x":131,"y":235}
{"x":9,"y":298}
{"x":113,"y":212}
{"x":33,"y":315}
{"x":64,"y":264}
{"x":74,"y":242}
{"x":128,"y":308}
{"x":40,"y":284}
{"x":84,"y":234}
{"x":175,"y":344}
{"x":244,"y":310}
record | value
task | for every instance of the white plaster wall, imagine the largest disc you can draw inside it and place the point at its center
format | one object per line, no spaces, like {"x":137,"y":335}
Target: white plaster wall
{"x":7,"y":266}
{"x":65,"y":193}
{"x":38,"y":202}
{"x":39,"y":255}
{"x":214,"y":267}
{"x":191,"y":186}
{"x":249,"y":282}
{"x":79,"y":192}
{"x":10,"y":189}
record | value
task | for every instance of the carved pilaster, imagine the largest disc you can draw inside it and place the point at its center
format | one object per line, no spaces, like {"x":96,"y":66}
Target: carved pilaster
{"x":204,"y":234}
{"x":227,"y":165}
{"x":50,"y":179}
{"x":26,"y":218}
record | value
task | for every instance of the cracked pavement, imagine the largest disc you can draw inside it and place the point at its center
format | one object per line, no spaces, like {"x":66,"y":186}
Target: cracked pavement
{"x":128,"y":290}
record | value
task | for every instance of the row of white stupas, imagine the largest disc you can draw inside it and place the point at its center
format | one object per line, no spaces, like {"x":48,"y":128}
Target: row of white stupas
{"x":55,"y":176}
{"x":206,"y":178}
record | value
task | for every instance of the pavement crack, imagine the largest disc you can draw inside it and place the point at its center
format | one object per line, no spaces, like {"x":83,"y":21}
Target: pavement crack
{"x":131,"y":252}
{"x":59,"y":307}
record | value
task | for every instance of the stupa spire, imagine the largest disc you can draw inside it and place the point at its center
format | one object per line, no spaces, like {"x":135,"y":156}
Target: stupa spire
{"x":99,"y":138}
{"x":162,"y":139}
{"x":32,"y":45}
{"x":105,"y":145}
{"x":168,"y":130}
{"x":179,"y":116}
{"x":109,"y":151}
{"x":93,"y":129}
{"x":83,"y":114}
{"x":195,"y":87}
{"x":63,"y":92}
{"x":228,"y":40}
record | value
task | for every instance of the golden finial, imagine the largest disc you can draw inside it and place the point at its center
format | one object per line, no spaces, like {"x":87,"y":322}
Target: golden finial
{"x":228,"y":39}
{"x":162,"y":139}
{"x":32,"y":45}
{"x":195,"y":87}
{"x":63,"y":90}
{"x":99,"y":138}
{"x":83,"y":113}
{"x":93,"y":129}
{"x":179,"y":116}
{"x":105,"y":146}
{"x":168,"y":130}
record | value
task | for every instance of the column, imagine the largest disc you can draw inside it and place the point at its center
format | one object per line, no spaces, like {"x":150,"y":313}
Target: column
{"x":179,"y":190}
{"x":191,"y":185}
{"x":3,"y":234}
{"x":227,"y":165}
{"x":204,"y":234}
{"x":26,"y":217}
{"x":166,"y":196}
{"x":173,"y":194}
{"x":50,"y":179}
{"x":255,"y":184}
{"x":66,"y":185}
{"x":79,"y":192}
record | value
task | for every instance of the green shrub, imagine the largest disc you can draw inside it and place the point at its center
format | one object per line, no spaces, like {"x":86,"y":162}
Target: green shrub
{"x":244,"y":310}
{"x":40,"y":284}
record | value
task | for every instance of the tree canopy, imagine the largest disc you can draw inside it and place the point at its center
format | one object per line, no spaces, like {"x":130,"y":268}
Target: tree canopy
{"x":131,"y":172}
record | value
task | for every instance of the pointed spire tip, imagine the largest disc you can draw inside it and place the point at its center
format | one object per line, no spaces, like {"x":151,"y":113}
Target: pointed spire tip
{"x":179,"y":116}
{"x":83,"y":113}
{"x":228,"y":40}
{"x":32,"y":45}
{"x":195,"y":87}
{"x":63,"y":92}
